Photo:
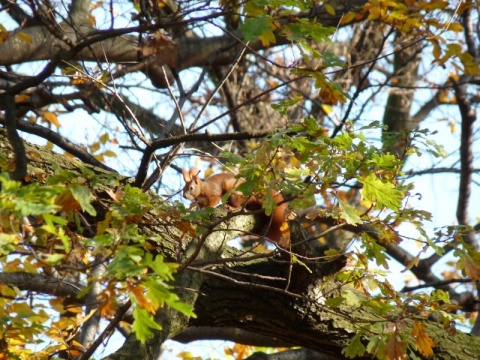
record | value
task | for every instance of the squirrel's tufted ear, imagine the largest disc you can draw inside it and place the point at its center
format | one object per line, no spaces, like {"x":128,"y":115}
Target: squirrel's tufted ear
{"x":186,"y":175}
{"x":194,"y":173}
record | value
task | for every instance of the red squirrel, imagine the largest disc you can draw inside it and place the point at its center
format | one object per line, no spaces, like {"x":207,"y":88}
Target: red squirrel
{"x":210,"y":192}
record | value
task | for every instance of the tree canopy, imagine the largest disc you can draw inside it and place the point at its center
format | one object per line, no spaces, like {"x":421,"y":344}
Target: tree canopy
{"x":330,"y":107}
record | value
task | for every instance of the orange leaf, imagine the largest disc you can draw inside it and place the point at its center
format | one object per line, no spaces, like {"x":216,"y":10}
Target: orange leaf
{"x":108,"y":305}
{"x":68,"y":202}
{"x":423,"y":341}
{"x":51,"y":118}
{"x":22,"y":98}
{"x":138,"y":292}
{"x":186,"y":227}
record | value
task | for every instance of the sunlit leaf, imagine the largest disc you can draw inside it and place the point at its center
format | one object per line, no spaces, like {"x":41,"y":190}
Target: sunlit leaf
{"x":380,"y":192}
{"x":51,"y":118}
{"x":144,"y":324}
{"x":348,"y":213}
{"x":84,"y":197}
{"x":424,"y":343}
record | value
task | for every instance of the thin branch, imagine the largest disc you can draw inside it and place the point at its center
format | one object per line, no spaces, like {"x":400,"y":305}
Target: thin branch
{"x":17,"y":13}
{"x":436,"y":284}
{"x":440,"y":170}
{"x":107,"y":331}
{"x":359,"y":86}
{"x":219,"y":86}
{"x":426,"y":108}
{"x":177,"y":106}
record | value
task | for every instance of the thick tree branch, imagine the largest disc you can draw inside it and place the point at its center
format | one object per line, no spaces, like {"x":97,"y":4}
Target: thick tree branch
{"x":60,"y":141}
{"x":396,"y":118}
{"x":42,"y":284}
{"x":7,"y":104}
{"x":194,"y":333}
{"x":468,"y":117}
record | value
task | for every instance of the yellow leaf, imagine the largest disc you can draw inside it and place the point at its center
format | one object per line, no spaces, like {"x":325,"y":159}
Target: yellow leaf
{"x":79,"y":80}
{"x":267,"y":38}
{"x":455,"y":27}
{"x":104,"y":138}
{"x":7,"y":291}
{"x":187,"y":355}
{"x":242,"y":351}
{"x":109,"y":153}
{"x":327,"y":109}
{"x":85,"y":319}
{"x":437,"y":51}
{"x":24,"y":37}
{"x":94,"y":147}
{"x":347,"y":18}
{"x":452,"y":126}
{"x":443,"y":97}
{"x":75,"y":309}
{"x":330,"y":9}
{"x":423,"y":341}
{"x":51,"y":118}
{"x":99,"y":157}
{"x":57,"y":304}
{"x":35,"y":155}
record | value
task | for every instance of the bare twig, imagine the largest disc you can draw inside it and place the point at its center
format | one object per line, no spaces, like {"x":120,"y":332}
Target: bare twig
{"x":219,"y":86}
{"x":107,"y":331}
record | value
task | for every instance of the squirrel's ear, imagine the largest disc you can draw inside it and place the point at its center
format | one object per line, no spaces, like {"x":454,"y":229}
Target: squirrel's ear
{"x":186,"y":175}
{"x":194,"y":173}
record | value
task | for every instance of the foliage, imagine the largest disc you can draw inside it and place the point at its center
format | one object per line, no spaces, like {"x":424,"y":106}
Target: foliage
{"x":303,"y":85}
{"x":55,"y":243}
